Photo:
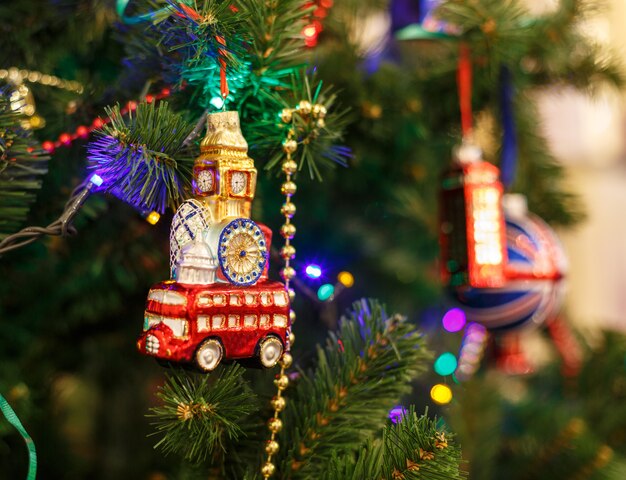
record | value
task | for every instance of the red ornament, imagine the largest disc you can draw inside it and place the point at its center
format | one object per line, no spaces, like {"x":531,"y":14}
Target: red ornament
{"x":97,"y":123}
{"x":219,"y":304}
{"x":65,"y":138}
{"x":202,"y":324}
{"x":48,"y":146}
{"x":472,"y":229}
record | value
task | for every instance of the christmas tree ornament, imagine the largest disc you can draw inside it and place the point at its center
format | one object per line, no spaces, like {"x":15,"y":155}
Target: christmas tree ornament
{"x":472,"y":232}
{"x":219,"y":303}
{"x":535,"y":272}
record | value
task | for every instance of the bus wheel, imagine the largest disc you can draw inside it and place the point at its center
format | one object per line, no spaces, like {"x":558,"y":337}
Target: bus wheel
{"x":270,"y":351}
{"x":209,"y":355}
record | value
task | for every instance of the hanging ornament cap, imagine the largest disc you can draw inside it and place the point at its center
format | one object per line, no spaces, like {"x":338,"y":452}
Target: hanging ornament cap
{"x":466,"y":153}
{"x":515,"y":205}
{"x":224,"y":131}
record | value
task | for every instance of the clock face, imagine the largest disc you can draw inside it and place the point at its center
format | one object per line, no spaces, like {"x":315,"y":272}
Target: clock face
{"x":238,"y":183}
{"x":205,"y":181}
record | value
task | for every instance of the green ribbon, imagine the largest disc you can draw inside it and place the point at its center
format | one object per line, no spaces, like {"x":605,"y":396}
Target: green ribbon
{"x":11,"y":417}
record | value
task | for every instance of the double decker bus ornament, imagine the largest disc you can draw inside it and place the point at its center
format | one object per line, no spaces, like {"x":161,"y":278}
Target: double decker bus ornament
{"x":219,"y":303}
{"x":472,"y":228}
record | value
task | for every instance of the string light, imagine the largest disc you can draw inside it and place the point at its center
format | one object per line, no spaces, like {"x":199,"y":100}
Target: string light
{"x":82,"y":131}
{"x":96,"y":179}
{"x":346,"y":279}
{"x":441,"y":394}
{"x":453,"y":320}
{"x":396,"y":413}
{"x":153,"y":218}
{"x":313,"y":271}
{"x":445,"y":364}
{"x":325,"y":292}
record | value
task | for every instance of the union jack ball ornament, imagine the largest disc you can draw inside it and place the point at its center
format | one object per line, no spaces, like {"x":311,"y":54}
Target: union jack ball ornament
{"x":535,"y":276}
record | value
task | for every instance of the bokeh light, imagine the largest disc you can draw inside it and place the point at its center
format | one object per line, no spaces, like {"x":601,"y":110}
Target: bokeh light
{"x":441,"y":394}
{"x":346,"y":279}
{"x":445,"y":364}
{"x":325,"y":292}
{"x":453,"y":320}
{"x":313,"y":271}
{"x":396,"y":413}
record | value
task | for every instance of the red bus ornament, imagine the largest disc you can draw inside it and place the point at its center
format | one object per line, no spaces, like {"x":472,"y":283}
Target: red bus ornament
{"x":219,"y":303}
{"x":472,"y":228}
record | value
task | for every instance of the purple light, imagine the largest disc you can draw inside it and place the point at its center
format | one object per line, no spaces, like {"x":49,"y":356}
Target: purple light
{"x":396,"y":413}
{"x":313,"y":271}
{"x":453,"y":320}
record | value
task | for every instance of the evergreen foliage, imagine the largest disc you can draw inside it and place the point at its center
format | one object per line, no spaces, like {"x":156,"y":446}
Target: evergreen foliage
{"x":23,"y":163}
{"x":144,"y":159}
{"x":197,"y":415}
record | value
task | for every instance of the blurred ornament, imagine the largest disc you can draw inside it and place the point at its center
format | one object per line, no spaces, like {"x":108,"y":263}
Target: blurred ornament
{"x":472,"y":234}
{"x":509,"y":355}
{"x":346,"y":279}
{"x":534,"y":287}
{"x":417,"y":20}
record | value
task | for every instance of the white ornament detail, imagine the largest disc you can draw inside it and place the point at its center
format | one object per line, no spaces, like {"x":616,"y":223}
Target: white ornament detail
{"x":197,"y":265}
{"x":204,"y":181}
{"x":238,"y":182}
{"x":191,"y":219}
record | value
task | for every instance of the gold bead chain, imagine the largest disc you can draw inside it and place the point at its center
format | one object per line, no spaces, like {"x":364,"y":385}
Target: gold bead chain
{"x":17,"y":76}
{"x":288,"y":252}
{"x":314,"y":114}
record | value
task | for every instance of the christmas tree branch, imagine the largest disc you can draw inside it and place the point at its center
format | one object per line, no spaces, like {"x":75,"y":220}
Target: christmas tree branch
{"x":22,"y":164}
{"x":144,"y":159}
{"x":201,"y":413}
{"x":414,"y":448}
{"x":361,"y":373}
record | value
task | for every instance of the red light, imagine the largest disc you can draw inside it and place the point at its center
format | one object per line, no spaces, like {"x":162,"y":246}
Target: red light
{"x":149,"y":98}
{"x":97,"y":123}
{"x":326,"y":3}
{"x":65,"y":138}
{"x":82,"y":131}
{"x":165,"y":92}
{"x":132,"y":105}
{"x":48,"y":145}
{"x":320,"y":12}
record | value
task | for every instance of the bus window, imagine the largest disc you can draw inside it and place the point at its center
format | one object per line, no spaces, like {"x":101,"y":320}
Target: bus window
{"x":250,"y":299}
{"x":178,"y":326}
{"x":233,"y":321}
{"x":249,"y":321}
{"x":280,"y":299}
{"x":203,"y":323}
{"x":264,"y":320}
{"x":219,"y":299}
{"x":280,"y":321}
{"x":217,"y":322}
{"x":266,"y":299}
{"x":205,"y":300}
{"x":235,"y":300}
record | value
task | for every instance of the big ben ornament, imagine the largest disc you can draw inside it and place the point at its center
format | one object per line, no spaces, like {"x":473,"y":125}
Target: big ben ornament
{"x":219,"y":303}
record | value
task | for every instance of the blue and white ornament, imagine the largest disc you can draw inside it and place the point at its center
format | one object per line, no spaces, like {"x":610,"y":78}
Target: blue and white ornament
{"x":534,"y":290}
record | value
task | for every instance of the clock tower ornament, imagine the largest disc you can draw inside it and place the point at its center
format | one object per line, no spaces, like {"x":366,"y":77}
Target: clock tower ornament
{"x":219,"y":303}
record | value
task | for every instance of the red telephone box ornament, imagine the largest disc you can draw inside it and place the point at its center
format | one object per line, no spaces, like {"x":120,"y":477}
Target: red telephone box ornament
{"x":472,"y":229}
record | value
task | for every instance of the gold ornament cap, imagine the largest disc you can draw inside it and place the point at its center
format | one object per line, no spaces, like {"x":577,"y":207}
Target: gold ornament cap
{"x":223,"y":130}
